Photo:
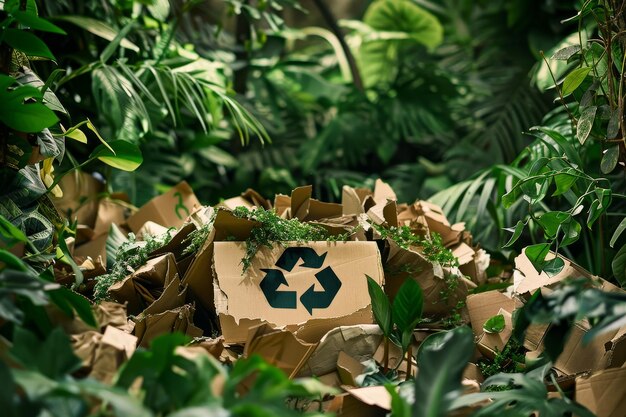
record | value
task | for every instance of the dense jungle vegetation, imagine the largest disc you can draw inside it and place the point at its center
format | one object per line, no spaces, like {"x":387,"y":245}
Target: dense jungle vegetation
{"x":509,"y":114}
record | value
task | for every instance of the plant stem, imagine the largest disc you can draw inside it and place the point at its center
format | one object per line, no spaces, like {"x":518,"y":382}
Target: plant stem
{"x":409,"y":362}
{"x":386,"y":356}
{"x":334,"y":27}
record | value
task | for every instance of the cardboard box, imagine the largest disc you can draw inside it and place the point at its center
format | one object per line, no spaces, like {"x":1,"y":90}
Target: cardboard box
{"x":169,"y":209}
{"x":489,"y":344}
{"x":484,"y":305}
{"x":603,"y":393}
{"x":305,"y":287}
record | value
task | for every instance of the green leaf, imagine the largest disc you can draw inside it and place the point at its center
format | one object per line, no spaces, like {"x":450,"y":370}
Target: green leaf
{"x":495,"y":324}
{"x":618,"y":232}
{"x":407,"y":305}
{"x":585,"y":123}
{"x":517,"y":232}
{"x":618,"y":266}
{"x":564,"y":181}
{"x":441,"y":360}
{"x":28,"y":43}
{"x":552,"y":221}
{"x":20,"y":112}
{"x":37,"y":23}
{"x":77,"y":135}
{"x":573,"y":80}
{"x":10,"y":233}
{"x":53,"y":357}
{"x":566,"y":53}
{"x":612,"y":128}
{"x":69,"y":302}
{"x":571,"y":232}
{"x":98,"y":28}
{"x":553,"y":267}
{"x":609,"y":159}
{"x":110,"y":49}
{"x":380,"y":306}
{"x":536,"y":254}
{"x":119,"y":154}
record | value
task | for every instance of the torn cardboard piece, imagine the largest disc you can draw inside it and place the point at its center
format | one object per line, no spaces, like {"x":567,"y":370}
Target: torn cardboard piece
{"x":489,"y":344}
{"x":169,"y":209}
{"x":177,"y":320}
{"x":110,"y":212}
{"x":402,"y":264}
{"x":484,"y":305}
{"x":349,"y":369}
{"x":115,"y":348}
{"x":366,"y":401}
{"x":140,"y":289}
{"x":603,"y":393}
{"x":80,"y":197}
{"x":293,"y":285}
{"x":360,"y":342}
{"x":279,"y":348}
{"x":304,"y":208}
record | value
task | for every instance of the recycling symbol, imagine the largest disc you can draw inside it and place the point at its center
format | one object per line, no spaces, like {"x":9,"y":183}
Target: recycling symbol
{"x":310,"y":299}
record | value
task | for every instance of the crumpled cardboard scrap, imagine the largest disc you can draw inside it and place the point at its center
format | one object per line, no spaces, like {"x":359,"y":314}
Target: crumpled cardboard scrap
{"x":603,"y":392}
{"x":176,"y":320}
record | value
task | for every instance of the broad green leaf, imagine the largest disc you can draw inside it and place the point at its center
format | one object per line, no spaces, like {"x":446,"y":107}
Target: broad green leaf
{"x":11,"y":261}
{"x":564,"y":180}
{"x":69,"y":302}
{"x":119,"y":154}
{"x":609,"y":159}
{"x":618,"y":266}
{"x":441,"y":360}
{"x":536,"y":254}
{"x":380,"y":306}
{"x":98,"y":28}
{"x":551,"y":221}
{"x":571,"y":232}
{"x":37,"y":23}
{"x":77,"y":135}
{"x":91,"y":127}
{"x":517,"y":232}
{"x":495,"y":324}
{"x":585,"y":123}
{"x":573,"y":80}
{"x":553,"y":266}
{"x":15,"y":112}
{"x":53,"y":357}
{"x":407,"y":305}
{"x":618,"y":232}
{"x":28,"y":43}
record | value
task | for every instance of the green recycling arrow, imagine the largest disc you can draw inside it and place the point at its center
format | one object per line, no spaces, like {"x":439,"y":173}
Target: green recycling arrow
{"x":321,"y":299}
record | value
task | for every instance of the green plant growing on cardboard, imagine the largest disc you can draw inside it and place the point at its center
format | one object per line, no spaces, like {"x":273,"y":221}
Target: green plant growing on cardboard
{"x":274,"y":229}
{"x":398,"y":320}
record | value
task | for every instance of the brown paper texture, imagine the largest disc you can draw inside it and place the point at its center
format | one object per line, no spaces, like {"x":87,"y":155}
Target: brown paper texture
{"x":169,"y":209}
{"x":603,"y":393}
{"x":241,"y":297}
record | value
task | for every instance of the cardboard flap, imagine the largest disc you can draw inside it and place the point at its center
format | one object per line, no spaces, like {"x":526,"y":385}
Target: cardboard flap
{"x":491,"y":343}
{"x":169,"y":209}
{"x":110,"y":212}
{"x":351,"y":203}
{"x":349,"y":369}
{"x":384,"y":213}
{"x":294,"y":284}
{"x":279,"y":348}
{"x":484,"y":305}
{"x":146,"y":284}
{"x":177,"y":320}
{"x":383,"y":192}
{"x":173,"y":296}
{"x":603,"y":393}
{"x":300,"y":202}
{"x":377,"y":396}
{"x":227,"y":226}
{"x":359,"y":342}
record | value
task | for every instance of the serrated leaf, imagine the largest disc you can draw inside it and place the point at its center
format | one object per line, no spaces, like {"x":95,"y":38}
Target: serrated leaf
{"x":585,"y":123}
{"x":573,"y":80}
{"x":609,"y":159}
{"x":494,"y":324}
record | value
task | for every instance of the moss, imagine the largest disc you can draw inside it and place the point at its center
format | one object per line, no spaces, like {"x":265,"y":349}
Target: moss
{"x":509,"y":360}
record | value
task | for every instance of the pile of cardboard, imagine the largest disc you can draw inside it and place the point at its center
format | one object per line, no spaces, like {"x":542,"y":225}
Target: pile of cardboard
{"x":303,"y":306}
